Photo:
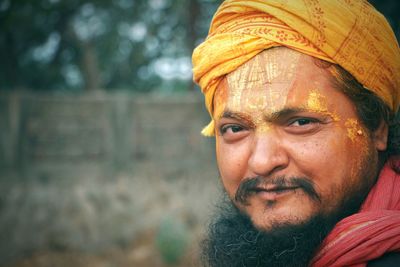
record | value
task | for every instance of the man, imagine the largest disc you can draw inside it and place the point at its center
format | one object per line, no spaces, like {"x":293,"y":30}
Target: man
{"x":303,"y":97}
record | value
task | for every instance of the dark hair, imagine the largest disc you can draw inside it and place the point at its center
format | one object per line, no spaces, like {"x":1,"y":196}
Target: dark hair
{"x":371,"y":110}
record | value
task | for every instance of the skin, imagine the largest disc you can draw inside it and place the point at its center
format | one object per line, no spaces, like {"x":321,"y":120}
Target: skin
{"x":290,"y":122}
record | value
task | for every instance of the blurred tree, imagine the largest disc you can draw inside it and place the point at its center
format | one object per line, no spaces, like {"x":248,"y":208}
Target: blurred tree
{"x":139,"y":45}
{"x":112,"y":44}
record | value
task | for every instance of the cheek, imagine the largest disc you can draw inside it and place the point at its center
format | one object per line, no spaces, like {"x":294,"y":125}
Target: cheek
{"x":312,"y":154}
{"x":361,"y":156}
{"x":332,"y":161}
{"x":322,"y":159}
{"x":232,"y":163}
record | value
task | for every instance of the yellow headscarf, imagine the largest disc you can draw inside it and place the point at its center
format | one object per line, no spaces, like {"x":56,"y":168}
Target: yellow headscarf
{"x":350,"y":33}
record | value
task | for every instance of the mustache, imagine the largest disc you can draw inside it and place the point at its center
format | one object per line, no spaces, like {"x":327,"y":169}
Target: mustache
{"x":250,"y":186}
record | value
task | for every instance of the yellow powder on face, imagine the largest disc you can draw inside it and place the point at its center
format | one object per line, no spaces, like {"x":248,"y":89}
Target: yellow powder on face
{"x":318,"y":103}
{"x":260,"y":86}
{"x":353,"y":129}
{"x":356,"y":134}
{"x":264,"y":128}
{"x":268,"y":72}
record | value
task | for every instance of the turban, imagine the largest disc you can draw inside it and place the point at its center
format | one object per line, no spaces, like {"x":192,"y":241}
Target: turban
{"x":350,"y":33}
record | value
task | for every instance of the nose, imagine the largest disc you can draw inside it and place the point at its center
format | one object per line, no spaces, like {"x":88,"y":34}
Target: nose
{"x":268,"y":155}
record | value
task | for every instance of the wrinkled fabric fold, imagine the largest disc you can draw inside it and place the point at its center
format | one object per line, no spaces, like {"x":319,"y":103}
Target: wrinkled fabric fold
{"x":349,"y":33}
{"x":370,"y":233}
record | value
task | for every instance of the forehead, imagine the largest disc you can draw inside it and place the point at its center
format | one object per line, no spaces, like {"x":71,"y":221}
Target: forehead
{"x":276,"y":66}
{"x":276,"y":78}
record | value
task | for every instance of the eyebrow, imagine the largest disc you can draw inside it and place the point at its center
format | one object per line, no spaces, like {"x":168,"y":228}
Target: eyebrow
{"x":274,"y":116}
{"x":237,"y":116}
{"x":286,"y":112}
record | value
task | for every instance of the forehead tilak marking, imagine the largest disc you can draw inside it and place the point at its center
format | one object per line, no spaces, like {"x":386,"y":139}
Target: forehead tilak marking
{"x":268,"y":69}
{"x":272,"y":71}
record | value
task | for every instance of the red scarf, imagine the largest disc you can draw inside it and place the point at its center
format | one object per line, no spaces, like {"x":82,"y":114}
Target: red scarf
{"x":370,"y":233}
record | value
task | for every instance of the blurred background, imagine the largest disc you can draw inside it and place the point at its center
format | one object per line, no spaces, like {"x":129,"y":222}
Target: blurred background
{"x":101,"y":159}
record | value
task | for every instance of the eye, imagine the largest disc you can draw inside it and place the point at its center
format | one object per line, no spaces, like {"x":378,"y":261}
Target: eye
{"x":302,"y":122}
{"x":303,"y":125}
{"x":233,"y":132}
{"x":231,"y":128}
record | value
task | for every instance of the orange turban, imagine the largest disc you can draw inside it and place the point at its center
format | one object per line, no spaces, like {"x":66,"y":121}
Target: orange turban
{"x":350,"y":33}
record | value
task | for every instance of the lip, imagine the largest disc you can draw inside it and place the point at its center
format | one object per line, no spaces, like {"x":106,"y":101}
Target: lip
{"x":271,"y":193}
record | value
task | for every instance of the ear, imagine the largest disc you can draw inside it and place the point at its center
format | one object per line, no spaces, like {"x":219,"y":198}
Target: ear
{"x":380,"y":136}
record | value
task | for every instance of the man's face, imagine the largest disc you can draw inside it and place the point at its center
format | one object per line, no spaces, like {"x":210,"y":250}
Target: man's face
{"x":289,"y":145}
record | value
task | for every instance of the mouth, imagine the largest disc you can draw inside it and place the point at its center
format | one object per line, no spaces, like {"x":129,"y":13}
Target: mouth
{"x":273,"y":192}
{"x":268,"y":189}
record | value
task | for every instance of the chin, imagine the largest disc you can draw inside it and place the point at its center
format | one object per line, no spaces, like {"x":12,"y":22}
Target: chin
{"x":264,"y":215}
{"x":267,"y":222}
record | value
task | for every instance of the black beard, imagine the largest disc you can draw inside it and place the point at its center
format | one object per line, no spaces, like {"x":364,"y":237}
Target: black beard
{"x":233,"y":240}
